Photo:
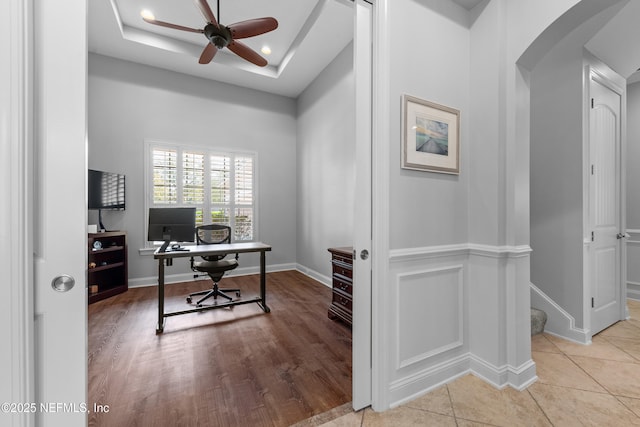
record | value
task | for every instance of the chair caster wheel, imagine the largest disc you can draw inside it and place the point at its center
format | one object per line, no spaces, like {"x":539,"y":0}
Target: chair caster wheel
{"x":238,"y":294}
{"x":188,"y":300}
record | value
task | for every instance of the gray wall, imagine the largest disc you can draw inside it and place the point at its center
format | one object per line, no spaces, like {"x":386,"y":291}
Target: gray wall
{"x":556,"y":177}
{"x":426,"y":290}
{"x":130,"y":103}
{"x":633,"y":190}
{"x":633,"y":154}
{"x":558,"y":226}
{"x":428,"y":208}
{"x":325,"y":159}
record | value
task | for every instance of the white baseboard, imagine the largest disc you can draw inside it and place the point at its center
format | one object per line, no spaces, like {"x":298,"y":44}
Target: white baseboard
{"x":518,"y":378}
{"x":185,"y":277}
{"x":424,"y":381}
{"x":409,"y":388}
{"x":314,"y":275}
{"x":559,"y":322}
{"x":633,"y":290}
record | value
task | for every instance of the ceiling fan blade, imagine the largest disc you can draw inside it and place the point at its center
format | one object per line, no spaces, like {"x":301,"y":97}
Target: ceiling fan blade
{"x":252,"y":27}
{"x":244,"y":51}
{"x":206,"y":11}
{"x":174,"y":26}
{"x":208,"y":53}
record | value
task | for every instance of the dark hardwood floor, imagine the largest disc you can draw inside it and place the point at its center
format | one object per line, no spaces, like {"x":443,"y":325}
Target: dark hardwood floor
{"x":224,"y":367}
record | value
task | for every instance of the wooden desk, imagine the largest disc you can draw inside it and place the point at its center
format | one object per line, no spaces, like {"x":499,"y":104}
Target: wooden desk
{"x":204,"y":250}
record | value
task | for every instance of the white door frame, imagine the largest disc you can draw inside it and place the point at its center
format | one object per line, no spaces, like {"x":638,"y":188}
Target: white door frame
{"x":28,"y":377}
{"x":380,"y":167}
{"x":16,"y":143}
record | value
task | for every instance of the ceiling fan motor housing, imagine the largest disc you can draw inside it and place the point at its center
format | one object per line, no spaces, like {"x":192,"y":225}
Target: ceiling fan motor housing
{"x":219,"y":36}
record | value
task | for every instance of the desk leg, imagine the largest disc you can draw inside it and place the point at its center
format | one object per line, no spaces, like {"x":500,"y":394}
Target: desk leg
{"x":160,"y":326}
{"x":263,"y":282}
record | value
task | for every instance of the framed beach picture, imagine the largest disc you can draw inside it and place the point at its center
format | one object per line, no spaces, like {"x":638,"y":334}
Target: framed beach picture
{"x":430,"y":136}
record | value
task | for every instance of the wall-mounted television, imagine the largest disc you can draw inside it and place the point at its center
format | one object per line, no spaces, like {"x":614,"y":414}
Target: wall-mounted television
{"x":106,"y":191}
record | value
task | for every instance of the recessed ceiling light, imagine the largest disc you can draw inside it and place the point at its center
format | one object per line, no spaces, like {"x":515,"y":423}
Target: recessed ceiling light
{"x":146,"y":14}
{"x":266,"y":50}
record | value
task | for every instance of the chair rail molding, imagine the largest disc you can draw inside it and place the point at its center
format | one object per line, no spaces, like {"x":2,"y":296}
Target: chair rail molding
{"x":409,"y":254}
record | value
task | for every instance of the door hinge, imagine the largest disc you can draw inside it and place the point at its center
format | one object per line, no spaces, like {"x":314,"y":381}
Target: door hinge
{"x":593,"y":169}
{"x":593,"y":237}
{"x":592,"y":303}
{"x":591,"y":102}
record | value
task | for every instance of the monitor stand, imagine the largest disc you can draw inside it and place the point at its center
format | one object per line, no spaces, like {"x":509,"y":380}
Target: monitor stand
{"x":164,"y":246}
{"x":100,"y":224}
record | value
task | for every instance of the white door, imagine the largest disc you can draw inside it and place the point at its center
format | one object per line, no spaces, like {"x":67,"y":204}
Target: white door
{"x":605,"y":213}
{"x":60,"y":213}
{"x":361,"y":352}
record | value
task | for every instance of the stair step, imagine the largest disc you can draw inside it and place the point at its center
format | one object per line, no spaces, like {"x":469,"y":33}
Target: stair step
{"x":538,"y":320}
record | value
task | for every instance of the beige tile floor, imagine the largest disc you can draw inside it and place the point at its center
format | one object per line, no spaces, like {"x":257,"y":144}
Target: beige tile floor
{"x":595,"y":385}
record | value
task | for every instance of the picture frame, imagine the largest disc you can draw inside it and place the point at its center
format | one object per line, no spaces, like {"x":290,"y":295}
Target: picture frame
{"x":430,"y":136}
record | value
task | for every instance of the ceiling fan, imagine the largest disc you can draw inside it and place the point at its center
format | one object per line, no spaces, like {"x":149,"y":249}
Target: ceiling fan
{"x":221,"y":36}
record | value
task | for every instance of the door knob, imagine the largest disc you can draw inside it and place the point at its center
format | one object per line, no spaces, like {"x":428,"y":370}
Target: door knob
{"x":364,"y":254}
{"x":63,"y":283}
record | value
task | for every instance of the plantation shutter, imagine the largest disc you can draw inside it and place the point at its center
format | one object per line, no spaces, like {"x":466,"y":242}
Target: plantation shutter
{"x":221,"y":185}
{"x":165,"y":176}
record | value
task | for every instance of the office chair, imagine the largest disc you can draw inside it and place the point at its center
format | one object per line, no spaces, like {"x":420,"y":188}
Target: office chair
{"x":215,"y":266}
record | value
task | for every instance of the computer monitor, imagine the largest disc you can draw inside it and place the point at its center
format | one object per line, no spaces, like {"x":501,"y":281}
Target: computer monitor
{"x":171,"y":225}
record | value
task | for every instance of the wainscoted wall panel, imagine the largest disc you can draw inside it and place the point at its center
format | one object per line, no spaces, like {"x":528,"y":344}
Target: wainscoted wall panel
{"x":430,"y":300}
{"x":633,"y":264}
{"x":429,"y":332}
{"x":457,"y":306}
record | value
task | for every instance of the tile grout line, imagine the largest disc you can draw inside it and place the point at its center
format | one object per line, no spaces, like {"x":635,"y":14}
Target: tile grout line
{"x":568,"y":356}
{"x":539,"y":407}
{"x":531,"y":394}
{"x":453,"y":410}
{"x":636,"y":361}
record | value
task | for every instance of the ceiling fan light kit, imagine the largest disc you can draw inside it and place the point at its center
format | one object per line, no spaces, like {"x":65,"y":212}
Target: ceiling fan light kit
{"x":221,"y":36}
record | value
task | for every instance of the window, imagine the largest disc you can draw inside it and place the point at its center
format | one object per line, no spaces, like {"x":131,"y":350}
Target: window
{"x":221,"y":185}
